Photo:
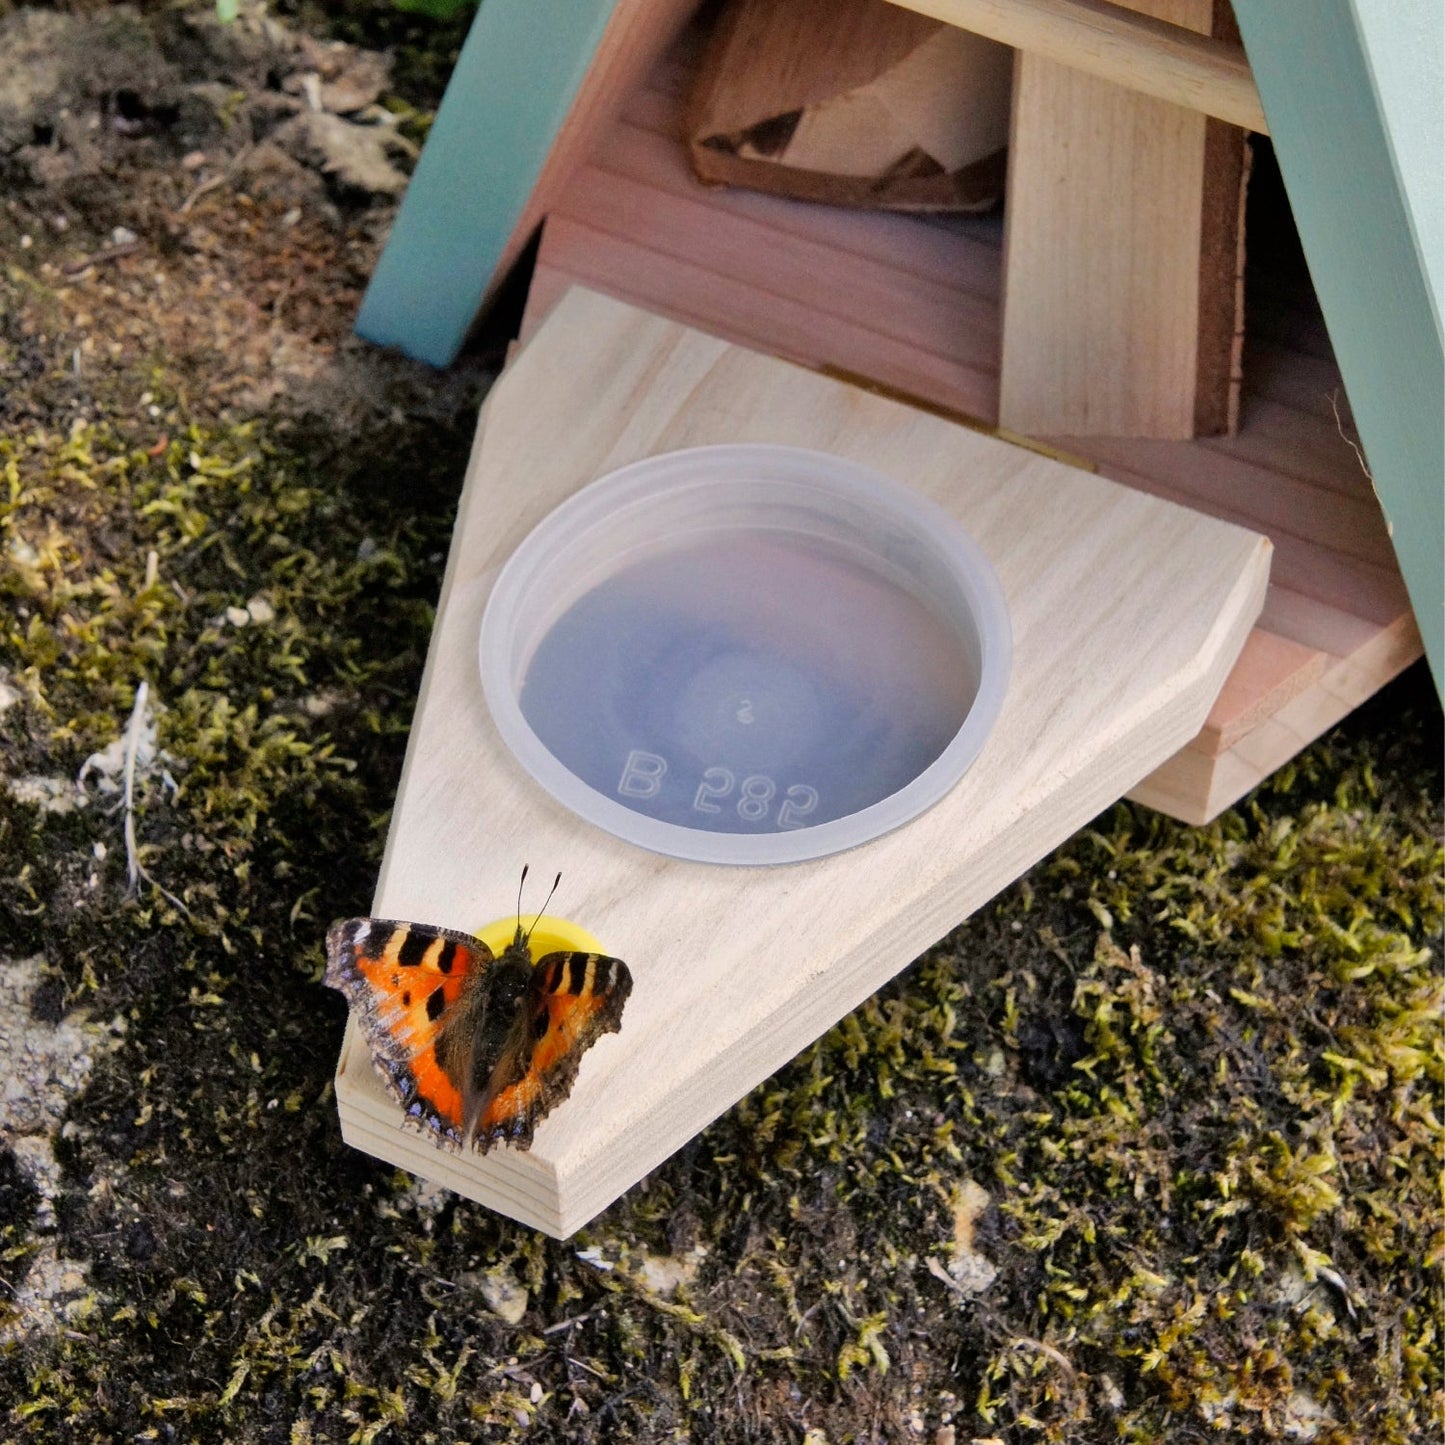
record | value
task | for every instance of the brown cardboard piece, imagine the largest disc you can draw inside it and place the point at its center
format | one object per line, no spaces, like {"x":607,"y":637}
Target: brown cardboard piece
{"x":853,"y":102}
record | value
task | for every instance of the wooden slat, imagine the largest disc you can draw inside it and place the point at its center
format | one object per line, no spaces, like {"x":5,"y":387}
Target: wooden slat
{"x":1123,"y":223}
{"x":1335,"y":591}
{"x":1374,"y":593}
{"x":1346,"y":521}
{"x":1279,"y":439}
{"x":963,"y":253}
{"x":733,"y":309}
{"x":1312,"y":623}
{"x":931,"y":314}
{"x":1271,"y":671}
{"x":1150,"y":56}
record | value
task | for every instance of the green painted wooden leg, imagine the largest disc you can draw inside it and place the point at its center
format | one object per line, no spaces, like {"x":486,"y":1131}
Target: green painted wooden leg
{"x":514,"y":83}
{"x":1341,"y":171}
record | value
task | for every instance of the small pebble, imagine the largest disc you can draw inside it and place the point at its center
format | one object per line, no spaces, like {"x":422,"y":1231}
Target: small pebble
{"x":123,"y":236}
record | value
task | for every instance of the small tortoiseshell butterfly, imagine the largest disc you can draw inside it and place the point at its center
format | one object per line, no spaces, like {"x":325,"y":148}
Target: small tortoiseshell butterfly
{"x":472,"y":1046}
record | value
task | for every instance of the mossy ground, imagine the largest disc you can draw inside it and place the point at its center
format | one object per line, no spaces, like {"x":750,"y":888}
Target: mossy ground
{"x":1149,"y":1149}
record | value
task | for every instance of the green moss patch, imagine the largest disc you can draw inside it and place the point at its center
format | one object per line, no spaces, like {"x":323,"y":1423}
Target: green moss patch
{"x":1150,"y":1148}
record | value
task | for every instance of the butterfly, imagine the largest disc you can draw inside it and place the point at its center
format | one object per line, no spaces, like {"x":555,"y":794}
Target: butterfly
{"x":474,"y":1047}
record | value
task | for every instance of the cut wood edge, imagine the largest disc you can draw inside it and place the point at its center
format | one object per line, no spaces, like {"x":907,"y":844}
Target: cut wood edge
{"x":1219,"y":376}
{"x":1270,"y":671}
{"x":518,"y":1184}
{"x":1232,"y":630}
{"x":1196,"y":786}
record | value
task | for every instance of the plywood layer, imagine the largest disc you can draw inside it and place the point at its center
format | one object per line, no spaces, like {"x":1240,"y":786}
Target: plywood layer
{"x":913,"y":305}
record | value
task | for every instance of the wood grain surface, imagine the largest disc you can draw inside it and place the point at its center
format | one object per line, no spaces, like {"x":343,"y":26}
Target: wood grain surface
{"x":1122,"y":256}
{"x":1127,"y":615}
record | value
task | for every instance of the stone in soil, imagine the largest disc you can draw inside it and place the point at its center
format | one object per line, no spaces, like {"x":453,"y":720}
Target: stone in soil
{"x":43,"y":1066}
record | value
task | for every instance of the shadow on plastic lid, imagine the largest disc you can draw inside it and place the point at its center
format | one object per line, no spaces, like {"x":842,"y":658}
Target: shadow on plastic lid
{"x":746,"y":654}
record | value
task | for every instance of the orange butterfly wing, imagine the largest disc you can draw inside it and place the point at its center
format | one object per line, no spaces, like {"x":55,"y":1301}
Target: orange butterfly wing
{"x":401,"y":979}
{"x":572,"y":999}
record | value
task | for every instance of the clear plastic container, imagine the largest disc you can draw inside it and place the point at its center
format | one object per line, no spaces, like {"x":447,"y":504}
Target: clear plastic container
{"x":746,"y":654}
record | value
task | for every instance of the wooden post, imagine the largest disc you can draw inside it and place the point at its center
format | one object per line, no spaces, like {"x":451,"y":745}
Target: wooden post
{"x":534,"y":84}
{"x":1346,"y":163}
{"x":1124,"y":255}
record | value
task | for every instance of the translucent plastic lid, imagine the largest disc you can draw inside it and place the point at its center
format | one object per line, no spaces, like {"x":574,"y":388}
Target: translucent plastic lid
{"x":746,"y":654}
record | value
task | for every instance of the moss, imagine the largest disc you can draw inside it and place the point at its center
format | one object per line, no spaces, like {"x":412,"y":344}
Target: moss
{"x":1194,"y":1069}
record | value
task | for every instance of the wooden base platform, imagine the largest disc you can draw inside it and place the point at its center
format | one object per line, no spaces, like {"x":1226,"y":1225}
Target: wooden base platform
{"x":912,"y":306}
{"x":1126,"y":612}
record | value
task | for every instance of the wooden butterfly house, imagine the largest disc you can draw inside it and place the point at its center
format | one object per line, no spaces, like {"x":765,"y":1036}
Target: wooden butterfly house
{"x":1198,"y":571}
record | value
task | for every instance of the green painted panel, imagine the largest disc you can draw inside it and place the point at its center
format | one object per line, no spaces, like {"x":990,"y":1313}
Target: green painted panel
{"x":1340,"y":169}
{"x":514,"y":83}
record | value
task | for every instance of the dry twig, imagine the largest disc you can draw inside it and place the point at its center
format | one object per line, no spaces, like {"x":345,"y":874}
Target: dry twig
{"x":74,"y":269}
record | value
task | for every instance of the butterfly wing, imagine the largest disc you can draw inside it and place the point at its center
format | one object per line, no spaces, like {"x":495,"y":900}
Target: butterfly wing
{"x":404,"y":982}
{"x":571,"y":1000}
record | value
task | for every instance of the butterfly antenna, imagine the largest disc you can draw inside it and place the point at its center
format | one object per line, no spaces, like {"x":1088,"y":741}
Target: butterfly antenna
{"x":548,"y":899}
{"x":521,"y":883}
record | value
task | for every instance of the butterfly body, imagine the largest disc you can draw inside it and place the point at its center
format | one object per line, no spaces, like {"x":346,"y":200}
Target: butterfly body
{"x":473,"y":1045}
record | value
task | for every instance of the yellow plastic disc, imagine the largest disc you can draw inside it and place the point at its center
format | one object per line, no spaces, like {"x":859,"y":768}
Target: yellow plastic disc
{"x":545,"y":934}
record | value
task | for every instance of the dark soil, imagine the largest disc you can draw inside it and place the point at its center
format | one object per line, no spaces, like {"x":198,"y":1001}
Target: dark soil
{"x":1149,"y":1149}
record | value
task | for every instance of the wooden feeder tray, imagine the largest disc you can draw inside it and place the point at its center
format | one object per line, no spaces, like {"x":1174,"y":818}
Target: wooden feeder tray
{"x":1188,"y":611}
{"x":1128,"y":613}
